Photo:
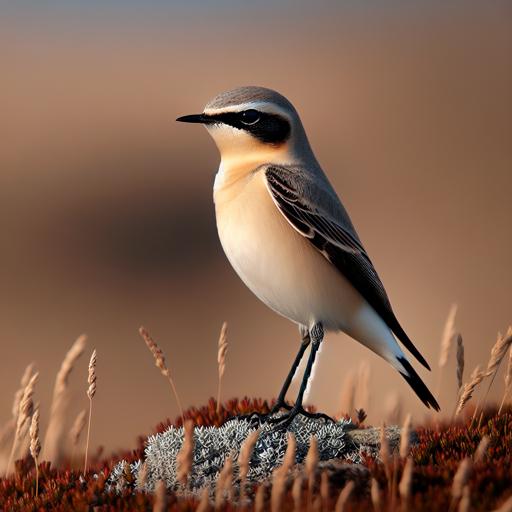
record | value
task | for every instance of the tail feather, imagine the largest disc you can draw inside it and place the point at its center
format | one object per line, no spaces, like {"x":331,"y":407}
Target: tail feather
{"x":418,"y":386}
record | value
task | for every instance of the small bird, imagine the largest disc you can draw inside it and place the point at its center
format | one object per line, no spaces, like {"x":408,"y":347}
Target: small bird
{"x":289,"y":238}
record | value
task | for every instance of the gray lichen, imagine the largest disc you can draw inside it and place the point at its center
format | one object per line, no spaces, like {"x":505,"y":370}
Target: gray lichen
{"x":212,"y":445}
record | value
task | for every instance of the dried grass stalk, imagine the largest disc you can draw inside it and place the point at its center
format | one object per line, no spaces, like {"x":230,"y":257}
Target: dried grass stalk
{"x":91,"y":391}
{"x":160,"y":363}
{"x":405,"y":486}
{"x":344,"y":496}
{"x":311,"y":465}
{"x":53,"y":443}
{"x":405,"y":437}
{"x":465,"y":502}
{"x":290,"y":453}
{"x":259,"y":499}
{"x":244,"y":459}
{"x":160,"y":500}
{"x":204,"y":502}
{"x":506,"y":506}
{"x":26,"y":410}
{"x":481,"y":450}
{"x":278,"y":489}
{"x":461,"y":478}
{"x":469,"y":388}
{"x":221,"y":359}
{"x":325,"y":490}
{"x":498,"y":352}
{"x":460,"y":362}
{"x":508,"y":380}
{"x":375,"y":495}
{"x":384,"y":453}
{"x":224,"y":483}
{"x":185,"y":457}
{"x":297,"y":493}
{"x":25,"y":378}
{"x":447,"y":337}
{"x":77,"y":428}
{"x":35,"y":445}
{"x":142,"y":476}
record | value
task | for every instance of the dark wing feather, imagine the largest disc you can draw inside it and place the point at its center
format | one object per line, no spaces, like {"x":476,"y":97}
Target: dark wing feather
{"x":341,"y":247}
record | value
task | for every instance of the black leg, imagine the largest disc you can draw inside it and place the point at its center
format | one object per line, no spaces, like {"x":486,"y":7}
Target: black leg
{"x":282,"y":395}
{"x":317,"y":335}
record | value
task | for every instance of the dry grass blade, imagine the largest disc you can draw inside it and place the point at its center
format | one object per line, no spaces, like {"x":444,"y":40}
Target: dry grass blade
{"x":221,"y":359}
{"x":344,"y":496}
{"x":91,"y":391}
{"x":160,"y":500}
{"x":325,"y":490}
{"x":461,"y":478}
{"x":259,"y":499}
{"x":278,"y":489}
{"x":481,"y":449}
{"x":405,"y":437}
{"x":447,"y":337}
{"x":185,"y":457}
{"x":26,"y":410}
{"x":35,"y":445}
{"x":508,"y":380}
{"x":384,"y":453}
{"x":159,"y":357}
{"x":55,"y":432}
{"x":311,"y":465}
{"x":404,"y":488}
{"x":460,"y":362}
{"x":289,"y":455}
{"x":506,"y":506}
{"x":375,"y":495}
{"x":204,"y":502}
{"x":25,"y":378}
{"x":465,"y":502}
{"x":297,"y":493}
{"x":77,"y":428}
{"x":224,"y":483}
{"x":469,"y":388}
{"x":498,"y":352}
{"x":244,"y":459}
{"x":142,"y":476}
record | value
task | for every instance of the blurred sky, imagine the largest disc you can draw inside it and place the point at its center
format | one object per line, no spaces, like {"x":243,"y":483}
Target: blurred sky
{"x":106,"y":211}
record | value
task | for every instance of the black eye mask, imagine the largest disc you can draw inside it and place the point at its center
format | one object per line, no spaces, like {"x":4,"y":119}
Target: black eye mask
{"x":269,"y":128}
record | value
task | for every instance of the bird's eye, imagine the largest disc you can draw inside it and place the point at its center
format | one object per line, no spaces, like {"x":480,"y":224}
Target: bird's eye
{"x":250,"y":116}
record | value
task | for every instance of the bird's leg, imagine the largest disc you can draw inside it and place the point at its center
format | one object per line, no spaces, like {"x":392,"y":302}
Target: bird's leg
{"x":317,"y":335}
{"x":281,"y":403}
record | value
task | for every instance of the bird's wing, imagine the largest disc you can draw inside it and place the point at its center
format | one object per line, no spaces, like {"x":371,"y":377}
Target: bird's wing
{"x":312,"y":210}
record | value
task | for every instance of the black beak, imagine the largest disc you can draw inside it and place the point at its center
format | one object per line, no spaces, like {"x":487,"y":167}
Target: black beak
{"x":196,"y":118}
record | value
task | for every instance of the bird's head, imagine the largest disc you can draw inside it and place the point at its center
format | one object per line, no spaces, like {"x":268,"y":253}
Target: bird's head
{"x":254,"y":124}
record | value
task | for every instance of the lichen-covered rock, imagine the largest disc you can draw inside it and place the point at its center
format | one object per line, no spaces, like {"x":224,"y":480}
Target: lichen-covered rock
{"x":213,"y":445}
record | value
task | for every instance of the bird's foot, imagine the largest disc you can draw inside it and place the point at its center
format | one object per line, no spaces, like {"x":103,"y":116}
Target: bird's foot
{"x":284,"y":420}
{"x":280,"y":404}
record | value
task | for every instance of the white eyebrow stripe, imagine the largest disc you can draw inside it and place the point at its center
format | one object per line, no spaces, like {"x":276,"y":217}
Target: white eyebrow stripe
{"x":261,"y":106}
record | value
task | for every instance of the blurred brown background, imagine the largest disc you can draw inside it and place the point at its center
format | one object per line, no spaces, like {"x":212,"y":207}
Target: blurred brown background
{"x":106,"y":210}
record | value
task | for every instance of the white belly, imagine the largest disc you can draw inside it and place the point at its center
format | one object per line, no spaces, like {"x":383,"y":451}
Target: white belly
{"x":279,"y":265}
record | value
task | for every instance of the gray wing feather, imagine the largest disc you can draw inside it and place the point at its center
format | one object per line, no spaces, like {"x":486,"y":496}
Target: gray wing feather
{"x":312,"y":207}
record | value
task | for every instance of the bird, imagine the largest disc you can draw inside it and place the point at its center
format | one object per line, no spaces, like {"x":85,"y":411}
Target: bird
{"x":289,"y":238}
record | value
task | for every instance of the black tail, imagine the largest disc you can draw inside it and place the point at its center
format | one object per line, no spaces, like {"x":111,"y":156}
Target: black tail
{"x":417,"y":384}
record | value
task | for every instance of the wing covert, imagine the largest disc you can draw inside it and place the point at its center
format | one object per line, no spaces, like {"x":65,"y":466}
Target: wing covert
{"x":336,"y":242}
